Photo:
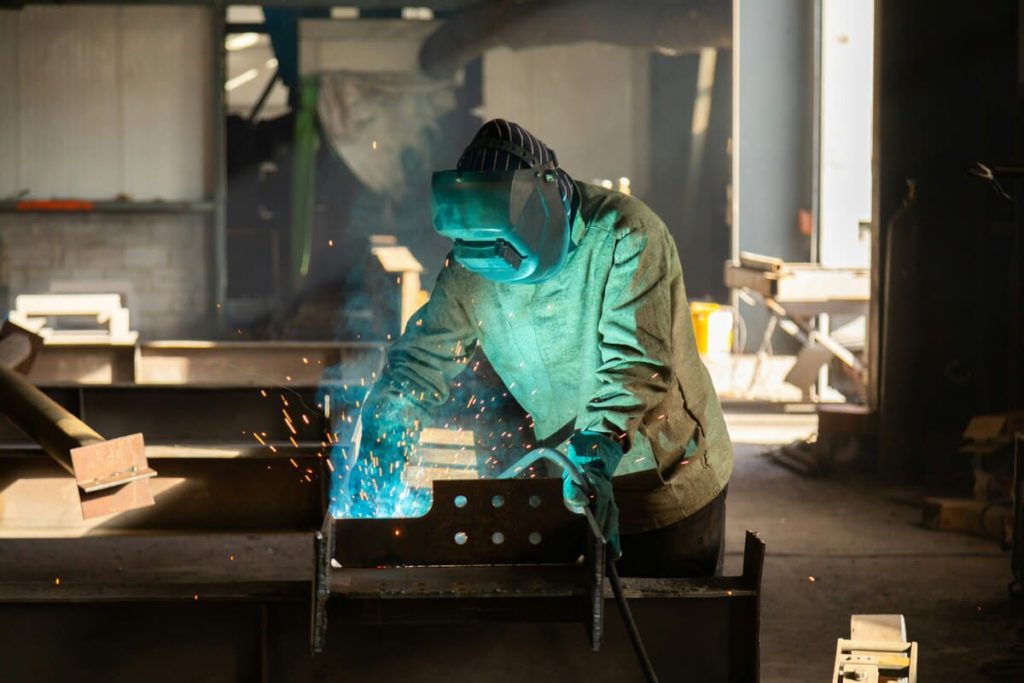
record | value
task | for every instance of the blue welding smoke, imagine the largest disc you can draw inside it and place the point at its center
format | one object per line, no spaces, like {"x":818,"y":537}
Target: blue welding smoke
{"x":369,"y":483}
{"x":366,"y":479}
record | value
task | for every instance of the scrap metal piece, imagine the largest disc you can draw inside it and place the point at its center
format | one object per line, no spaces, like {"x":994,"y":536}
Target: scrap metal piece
{"x":323,"y":550}
{"x":111,"y":475}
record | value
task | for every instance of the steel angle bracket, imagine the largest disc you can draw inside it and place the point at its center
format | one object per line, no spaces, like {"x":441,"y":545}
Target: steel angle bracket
{"x":323,"y":550}
{"x":111,"y":475}
{"x":483,"y":546}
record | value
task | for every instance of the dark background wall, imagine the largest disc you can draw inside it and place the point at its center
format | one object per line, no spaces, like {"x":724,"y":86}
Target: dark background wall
{"x":947,"y":97}
{"x":701,"y":229}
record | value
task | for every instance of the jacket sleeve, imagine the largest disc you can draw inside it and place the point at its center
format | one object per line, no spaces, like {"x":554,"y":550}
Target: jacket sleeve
{"x":635,"y":330}
{"x":437,"y":343}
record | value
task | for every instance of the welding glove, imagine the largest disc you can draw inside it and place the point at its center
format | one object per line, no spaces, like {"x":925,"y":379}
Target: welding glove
{"x":597,"y":455}
{"x":390,"y":424}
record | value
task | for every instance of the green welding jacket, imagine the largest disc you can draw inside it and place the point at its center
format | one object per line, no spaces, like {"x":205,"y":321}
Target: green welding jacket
{"x":607,"y":342}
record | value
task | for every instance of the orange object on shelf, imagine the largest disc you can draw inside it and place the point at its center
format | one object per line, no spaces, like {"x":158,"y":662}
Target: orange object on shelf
{"x":54,"y":205}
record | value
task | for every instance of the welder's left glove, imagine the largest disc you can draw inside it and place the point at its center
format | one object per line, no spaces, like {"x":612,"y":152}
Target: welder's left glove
{"x":389,"y":416}
{"x":598,"y":456}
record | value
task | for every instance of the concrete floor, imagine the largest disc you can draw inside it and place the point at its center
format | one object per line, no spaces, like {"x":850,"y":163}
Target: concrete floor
{"x":867,"y":555}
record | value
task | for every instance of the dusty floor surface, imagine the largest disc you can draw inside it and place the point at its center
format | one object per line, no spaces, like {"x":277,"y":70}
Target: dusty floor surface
{"x":867,"y":555}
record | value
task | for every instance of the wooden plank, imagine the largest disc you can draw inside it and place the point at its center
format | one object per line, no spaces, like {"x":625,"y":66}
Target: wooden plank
{"x":822,"y":284}
{"x":447,"y":457}
{"x":768,"y":264}
{"x":67,"y":304}
{"x":424,"y":477}
{"x":976,"y":517}
{"x":738,"y":277}
{"x":447,"y":437}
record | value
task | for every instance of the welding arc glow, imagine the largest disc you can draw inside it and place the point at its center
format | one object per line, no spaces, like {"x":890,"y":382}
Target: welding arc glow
{"x":369,"y":484}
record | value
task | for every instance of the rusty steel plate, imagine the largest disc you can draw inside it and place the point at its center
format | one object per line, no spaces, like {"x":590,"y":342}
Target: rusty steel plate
{"x":112,"y":475}
{"x":471,"y":522}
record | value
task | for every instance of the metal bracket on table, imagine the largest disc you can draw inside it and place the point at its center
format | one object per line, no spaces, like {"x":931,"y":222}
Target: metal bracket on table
{"x":482,"y":544}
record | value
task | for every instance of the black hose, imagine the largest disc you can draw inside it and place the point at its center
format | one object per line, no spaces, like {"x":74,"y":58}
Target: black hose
{"x":576,"y":474}
{"x":555,"y":456}
{"x":627,"y":618}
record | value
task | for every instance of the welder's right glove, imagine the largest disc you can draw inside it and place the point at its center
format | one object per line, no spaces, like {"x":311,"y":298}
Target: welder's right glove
{"x":391,"y":424}
{"x":598,"y":455}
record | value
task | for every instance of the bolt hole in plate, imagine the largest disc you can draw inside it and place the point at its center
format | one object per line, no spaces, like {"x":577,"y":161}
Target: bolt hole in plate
{"x":560,"y":537}
{"x":498,"y":501}
{"x":497,"y":538}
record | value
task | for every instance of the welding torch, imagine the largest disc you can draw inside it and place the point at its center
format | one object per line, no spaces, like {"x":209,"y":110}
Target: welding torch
{"x":580,"y":479}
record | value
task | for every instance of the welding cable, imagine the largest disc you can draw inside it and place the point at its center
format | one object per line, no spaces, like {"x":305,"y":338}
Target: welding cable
{"x":627,"y":618}
{"x":576,"y":474}
{"x":557,"y":457}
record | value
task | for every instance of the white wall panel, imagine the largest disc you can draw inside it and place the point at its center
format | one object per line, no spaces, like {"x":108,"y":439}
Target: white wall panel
{"x":106,"y":100}
{"x":68,"y":118}
{"x":9,"y":103}
{"x":589,"y":102}
{"x":165,"y":98}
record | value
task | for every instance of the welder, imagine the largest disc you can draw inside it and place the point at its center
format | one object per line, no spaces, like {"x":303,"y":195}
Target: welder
{"x":575,"y":295}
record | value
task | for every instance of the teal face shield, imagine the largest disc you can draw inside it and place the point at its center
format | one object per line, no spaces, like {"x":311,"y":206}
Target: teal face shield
{"x":508,"y":226}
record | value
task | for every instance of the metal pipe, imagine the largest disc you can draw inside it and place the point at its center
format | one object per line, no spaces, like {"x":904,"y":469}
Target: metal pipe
{"x":557,"y":457}
{"x":256,"y":108}
{"x":47,"y":422}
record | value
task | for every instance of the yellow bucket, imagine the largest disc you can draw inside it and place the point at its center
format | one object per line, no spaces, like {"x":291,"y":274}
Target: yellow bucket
{"x":712,"y":326}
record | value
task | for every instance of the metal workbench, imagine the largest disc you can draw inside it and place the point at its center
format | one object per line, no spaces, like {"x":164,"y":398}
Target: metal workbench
{"x":797,"y":296}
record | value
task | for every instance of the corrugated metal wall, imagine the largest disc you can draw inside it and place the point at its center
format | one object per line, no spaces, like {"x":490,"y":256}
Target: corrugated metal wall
{"x":101,"y":101}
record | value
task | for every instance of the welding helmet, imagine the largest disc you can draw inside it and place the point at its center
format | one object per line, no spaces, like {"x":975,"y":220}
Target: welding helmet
{"x":508,"y":225}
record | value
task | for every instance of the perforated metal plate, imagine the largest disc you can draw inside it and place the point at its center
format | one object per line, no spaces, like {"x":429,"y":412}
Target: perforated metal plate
{"x":471,"y":522}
